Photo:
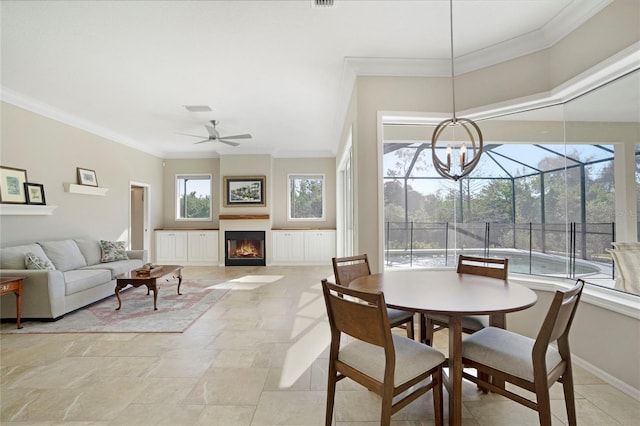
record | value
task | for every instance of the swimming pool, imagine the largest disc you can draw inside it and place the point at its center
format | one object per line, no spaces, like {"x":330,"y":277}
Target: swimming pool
{"x":520,"y":262}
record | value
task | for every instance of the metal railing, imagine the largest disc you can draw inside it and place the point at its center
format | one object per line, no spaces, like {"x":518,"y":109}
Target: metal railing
{"x":569,"y":245}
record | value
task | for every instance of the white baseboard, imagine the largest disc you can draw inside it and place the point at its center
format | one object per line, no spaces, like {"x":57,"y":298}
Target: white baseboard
{"x":613,"y":381}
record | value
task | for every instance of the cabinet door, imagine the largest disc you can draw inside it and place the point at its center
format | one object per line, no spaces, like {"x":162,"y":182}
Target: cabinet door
{"x":287,"y":246}
{"x":203,"y":247}
{"x":210,"y":246}
{"x":165,"y":244}
{"x":319,"y":246}
{"x":171,"y":246}
{"x":180,"y":247}
{"x":195,"y":246}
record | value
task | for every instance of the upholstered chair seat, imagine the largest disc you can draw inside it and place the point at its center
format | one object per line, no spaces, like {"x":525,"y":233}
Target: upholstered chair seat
{"x":506,"y":351}
{"x":412,"y":358}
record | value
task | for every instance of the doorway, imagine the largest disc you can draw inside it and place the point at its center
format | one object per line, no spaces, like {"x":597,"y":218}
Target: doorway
{"x":139,"y":236}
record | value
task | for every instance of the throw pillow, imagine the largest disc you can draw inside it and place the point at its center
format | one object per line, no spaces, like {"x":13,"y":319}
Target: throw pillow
{"x":33,"y":261}
{"x":64,"y":254}
{"x":112,"y":251}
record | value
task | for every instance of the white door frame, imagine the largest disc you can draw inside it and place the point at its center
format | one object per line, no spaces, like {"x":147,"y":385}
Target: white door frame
{"x":146,"y":219}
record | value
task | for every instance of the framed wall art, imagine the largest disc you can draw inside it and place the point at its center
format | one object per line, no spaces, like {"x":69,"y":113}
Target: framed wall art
{"x":87,"y":177}
{"x":35,"y":193}
{"x":242,"y":191}
{"x":12,"y":185}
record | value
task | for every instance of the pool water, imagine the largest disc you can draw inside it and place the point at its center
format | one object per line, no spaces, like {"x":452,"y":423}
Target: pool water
{"x":519,"y":262}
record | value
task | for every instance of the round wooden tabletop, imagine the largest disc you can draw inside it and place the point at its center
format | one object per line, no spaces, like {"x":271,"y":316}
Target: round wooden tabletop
{"x":447,"y":292}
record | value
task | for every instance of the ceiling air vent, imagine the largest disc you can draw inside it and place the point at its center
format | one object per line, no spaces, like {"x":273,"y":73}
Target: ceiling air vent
{"x":321,"y":3}
{"x":198,"y":108}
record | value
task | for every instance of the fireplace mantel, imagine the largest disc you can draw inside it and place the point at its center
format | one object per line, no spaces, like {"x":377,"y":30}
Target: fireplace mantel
{"x":243,"y":217}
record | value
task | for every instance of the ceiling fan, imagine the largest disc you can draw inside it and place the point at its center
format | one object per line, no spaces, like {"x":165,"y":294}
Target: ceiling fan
{"x":214,"y":136}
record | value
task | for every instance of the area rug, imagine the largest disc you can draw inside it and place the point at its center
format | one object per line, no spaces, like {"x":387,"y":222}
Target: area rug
{"x":174,"y":315}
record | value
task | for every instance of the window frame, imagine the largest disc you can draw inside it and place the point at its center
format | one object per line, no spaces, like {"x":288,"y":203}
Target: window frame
{"x":323,"y":179}
{"x":202,"y":176}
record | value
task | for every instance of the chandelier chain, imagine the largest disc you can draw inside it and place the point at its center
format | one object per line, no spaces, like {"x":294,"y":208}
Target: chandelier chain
{"x":453,"y":75}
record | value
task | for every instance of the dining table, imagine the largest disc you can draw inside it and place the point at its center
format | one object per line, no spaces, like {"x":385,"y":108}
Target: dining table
{"x":454,"y":295}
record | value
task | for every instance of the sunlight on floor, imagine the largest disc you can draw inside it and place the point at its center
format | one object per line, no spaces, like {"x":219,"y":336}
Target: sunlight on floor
{"x":266,"y":279}
{"x":301,"y":355}
{"x":311,"y":328}
{"x":247,"y":282}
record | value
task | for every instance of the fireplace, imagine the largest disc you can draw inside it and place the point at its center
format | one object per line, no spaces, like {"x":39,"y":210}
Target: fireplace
{"x":244,"y":248}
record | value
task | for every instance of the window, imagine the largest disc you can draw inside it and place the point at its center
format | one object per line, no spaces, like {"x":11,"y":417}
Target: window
{"x":306,"y":197}
{"x":193,"y":197}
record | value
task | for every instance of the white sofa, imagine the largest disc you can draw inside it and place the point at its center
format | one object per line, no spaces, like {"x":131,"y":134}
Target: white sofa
{"x":79,"y":279}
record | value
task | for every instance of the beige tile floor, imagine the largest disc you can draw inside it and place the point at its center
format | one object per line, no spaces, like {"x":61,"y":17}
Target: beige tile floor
{"x":257,"y":357}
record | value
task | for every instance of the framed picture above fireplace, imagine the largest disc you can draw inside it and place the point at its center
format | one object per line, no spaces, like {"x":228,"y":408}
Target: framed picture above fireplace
{"x":242,"y":191}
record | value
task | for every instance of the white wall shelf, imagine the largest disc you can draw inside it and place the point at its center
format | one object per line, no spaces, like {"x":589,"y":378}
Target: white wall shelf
{"x":25,"y":210}
{"x":84,"y":189}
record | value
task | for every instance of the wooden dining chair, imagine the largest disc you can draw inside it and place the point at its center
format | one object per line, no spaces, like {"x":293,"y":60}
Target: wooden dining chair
{"x":484,"y":266}
{"x":530,"y":364}
{"x":347,"y":269}
{"x":385,"y":363}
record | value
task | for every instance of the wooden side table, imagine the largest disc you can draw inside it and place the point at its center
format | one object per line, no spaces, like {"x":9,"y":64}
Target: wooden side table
{"x":13,"y":285}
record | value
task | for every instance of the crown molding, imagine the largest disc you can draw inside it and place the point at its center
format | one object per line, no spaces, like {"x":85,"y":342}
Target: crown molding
{"x":563,"y":24}
{"x":9,"y":96}
{"x":614,"y":67}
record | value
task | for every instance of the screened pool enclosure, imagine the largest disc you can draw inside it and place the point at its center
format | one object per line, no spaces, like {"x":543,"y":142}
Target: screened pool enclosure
{"x":543,"y":194}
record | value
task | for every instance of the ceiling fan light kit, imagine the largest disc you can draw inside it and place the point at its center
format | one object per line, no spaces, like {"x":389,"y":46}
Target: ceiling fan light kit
{"x":468,"y":159}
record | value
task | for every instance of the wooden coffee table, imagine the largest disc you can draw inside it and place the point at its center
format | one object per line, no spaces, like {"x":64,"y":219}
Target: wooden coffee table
{"x":136,"y":279}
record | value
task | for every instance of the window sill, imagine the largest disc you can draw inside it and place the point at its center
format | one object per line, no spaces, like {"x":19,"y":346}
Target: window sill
{"x":616,"y":301}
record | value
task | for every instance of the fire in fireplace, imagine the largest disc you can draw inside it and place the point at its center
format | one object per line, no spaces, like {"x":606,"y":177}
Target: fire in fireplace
{"x":244,"y":248}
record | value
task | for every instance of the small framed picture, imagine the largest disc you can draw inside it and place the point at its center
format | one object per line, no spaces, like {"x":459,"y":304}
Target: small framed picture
{"x":87,"y":177}
{"x":244,"y":191}
{"x":12,"y":185}
{"x":35,"y":193}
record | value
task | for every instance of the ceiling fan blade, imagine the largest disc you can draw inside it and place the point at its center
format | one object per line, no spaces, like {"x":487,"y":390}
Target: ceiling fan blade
{"x":187,"y":134}
{"x":206,"y":140}
{"x":245,"y":136}
{"x":228,"y":142}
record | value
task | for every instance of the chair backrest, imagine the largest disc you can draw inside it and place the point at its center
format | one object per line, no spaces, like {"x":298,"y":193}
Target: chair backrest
{"x":346,"y":269}
{"x":557,"y":323}
{"x":361,"y":315}
{"x":485,"y":266}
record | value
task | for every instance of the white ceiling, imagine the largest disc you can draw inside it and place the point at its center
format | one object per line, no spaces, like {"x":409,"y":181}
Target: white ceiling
{"x":279,"y":70}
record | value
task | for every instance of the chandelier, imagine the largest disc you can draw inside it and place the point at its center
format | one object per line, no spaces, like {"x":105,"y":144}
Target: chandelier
{"x":467,"y":157}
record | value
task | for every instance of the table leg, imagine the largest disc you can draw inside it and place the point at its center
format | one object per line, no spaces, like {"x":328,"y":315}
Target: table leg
{"x":154,"y":287}
{"x":179,"y":282}
{"x":500,"y":321}
{"x":19,"y":305}
{"x":455,"y":370}
{"x":117,"y":291}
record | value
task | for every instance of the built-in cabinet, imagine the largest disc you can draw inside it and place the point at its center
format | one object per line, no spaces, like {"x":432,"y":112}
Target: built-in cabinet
{"x":192,"y":247}
{"x":202,"y":247}
{"x":319,"y":246}
{"x":288,"y":247}
{"x":308,"y":247}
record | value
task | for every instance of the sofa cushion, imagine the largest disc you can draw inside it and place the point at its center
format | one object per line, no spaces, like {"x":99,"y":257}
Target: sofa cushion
{"x":113,"y":250}
{"x":33,"y":261}
{"x":82,"y":279}
{"x":64,"y":254}
{"x":14,"y":257}
{"x":117,"y":267}
{"x":90,"y":249}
